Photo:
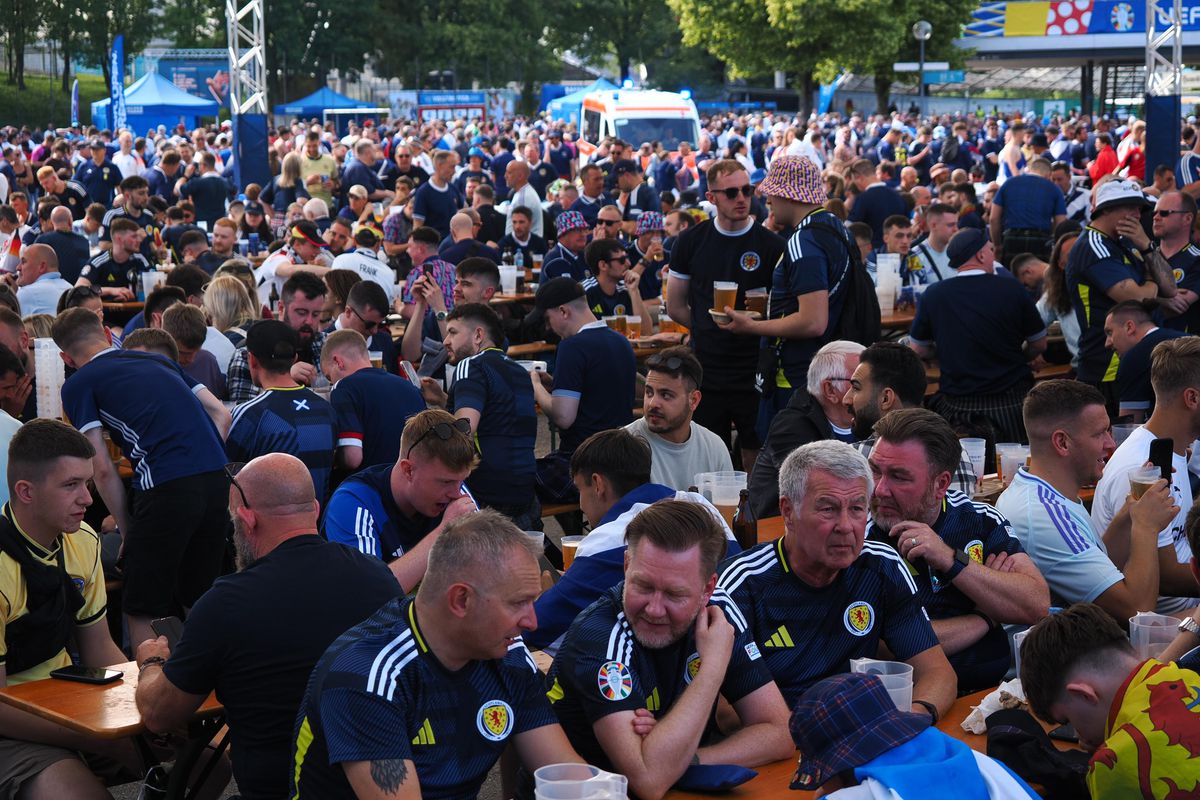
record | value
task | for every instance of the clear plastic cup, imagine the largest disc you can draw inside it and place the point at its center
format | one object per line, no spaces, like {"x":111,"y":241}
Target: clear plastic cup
{"x":569,"y":545}
{"x":724,"y":294}
{"x":508,"y":280}
{"x":897,"y":678}
{"x":976,"y":450}
{"x":1141,"y":479}
{"x":1018,"y":638}
{"x":633,"y":327}
{"x":1121,"y":432}
{"x":887,"y":299}
{"x":578,"y":782}
{"x":1150,"y":633}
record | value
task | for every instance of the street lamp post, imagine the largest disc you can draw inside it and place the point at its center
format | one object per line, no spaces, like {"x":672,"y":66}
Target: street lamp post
{"x":921,"y":31}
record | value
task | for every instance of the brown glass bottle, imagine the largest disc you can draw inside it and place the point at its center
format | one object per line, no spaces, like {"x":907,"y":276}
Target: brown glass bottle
{"x":745,"y":527}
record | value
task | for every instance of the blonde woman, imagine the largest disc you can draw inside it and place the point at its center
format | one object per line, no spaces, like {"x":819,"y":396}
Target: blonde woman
{"x":230,"y":306}
{"x":284,"y":189}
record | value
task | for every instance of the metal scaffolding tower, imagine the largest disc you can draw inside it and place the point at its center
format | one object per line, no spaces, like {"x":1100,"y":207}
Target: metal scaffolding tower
{"x":1164,"y":81}
{"x":248,"y":89}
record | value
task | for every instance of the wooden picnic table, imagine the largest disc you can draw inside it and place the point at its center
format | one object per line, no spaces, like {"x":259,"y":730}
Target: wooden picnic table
{"x":101,"y":711}
{"x":773,"y":779}
{"x":899,"y":320}
{"x":503,"y":298}
{"x":130,"y":305}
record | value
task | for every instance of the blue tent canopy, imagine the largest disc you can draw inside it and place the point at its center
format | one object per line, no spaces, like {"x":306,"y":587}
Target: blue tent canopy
{"x":153,"y":100}
{"x":318,"y":101}
{"x":568,"y":107}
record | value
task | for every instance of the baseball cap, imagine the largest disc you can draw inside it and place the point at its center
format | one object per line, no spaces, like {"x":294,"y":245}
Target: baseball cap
{"x":254,"y":207}
{"x":97,"y":144}
{"x":359,"y":191}
{"x":271,"y":340}
{"x":626,"y":166}
{"x":964,"y":245}
{"x":554,"y":293}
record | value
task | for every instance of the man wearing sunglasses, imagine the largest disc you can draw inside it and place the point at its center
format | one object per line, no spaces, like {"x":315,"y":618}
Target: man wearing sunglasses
{"x":366,"y":312}
{"x":1174,"y":218}
{"x":731,"y":247}
{"x":395,"y":512}
{"x":613,"y":287}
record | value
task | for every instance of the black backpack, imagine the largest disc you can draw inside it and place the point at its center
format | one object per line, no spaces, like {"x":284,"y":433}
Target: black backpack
{"x":860,"y":317}
{"x":949,"y":150}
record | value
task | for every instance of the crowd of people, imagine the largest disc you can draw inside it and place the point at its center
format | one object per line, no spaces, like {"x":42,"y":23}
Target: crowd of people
{"x":348,"y":518}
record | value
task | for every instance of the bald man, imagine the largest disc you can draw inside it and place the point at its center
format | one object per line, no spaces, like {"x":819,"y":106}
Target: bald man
{"x":522,"y":194}
{"x":39,"y":284}
{"x":255,"y":636}
{"x":72,"y":249}
{"x":462,"y":232}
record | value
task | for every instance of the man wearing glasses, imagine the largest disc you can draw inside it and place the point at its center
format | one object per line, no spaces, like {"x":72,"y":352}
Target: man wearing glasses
{"x":608,"y":223}
{"x":396,"y":511}
{"x":366,"y":312}
{"x":613,"y":287}
{"x":731,"y":247}
{"x":1174,"y":217}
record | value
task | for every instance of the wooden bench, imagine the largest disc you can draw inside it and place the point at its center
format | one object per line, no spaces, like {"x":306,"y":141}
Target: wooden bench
{"x":531,"y":349}
{"x":559,"y":508}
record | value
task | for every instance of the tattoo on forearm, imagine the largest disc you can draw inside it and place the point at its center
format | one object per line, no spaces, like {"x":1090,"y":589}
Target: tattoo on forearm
{"x":389,"y":775}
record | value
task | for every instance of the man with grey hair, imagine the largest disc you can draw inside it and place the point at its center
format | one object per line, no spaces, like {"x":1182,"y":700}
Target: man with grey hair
{"x":426,"y":694}
{"x":273,"y":611}
{"x":821,"y":594}
{"x":820,"y":413}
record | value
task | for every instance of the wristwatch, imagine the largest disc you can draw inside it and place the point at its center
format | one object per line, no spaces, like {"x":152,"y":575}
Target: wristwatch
{"x":440,"y":316}
{"x":1189,"y":625}
{"x":961,"y":560}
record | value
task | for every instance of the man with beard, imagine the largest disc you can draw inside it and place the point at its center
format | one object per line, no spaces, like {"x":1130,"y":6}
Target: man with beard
{"x":422,"y":698}
{"x":668,"y":642}
{"x":680,"y":447}
{"x":300,"y":306}
{"x":286,"y":417}
{"x":890,"y":376}
{"x":284,"y":607}
{"x":135,"y":192}
{"x":821,"y":595}
{"x":395,"y":512}
{"x":493,"y":394}
{"x":972,"y":574}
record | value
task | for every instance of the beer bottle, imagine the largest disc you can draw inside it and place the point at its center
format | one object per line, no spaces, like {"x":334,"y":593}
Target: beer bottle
{"x":745,"y":527}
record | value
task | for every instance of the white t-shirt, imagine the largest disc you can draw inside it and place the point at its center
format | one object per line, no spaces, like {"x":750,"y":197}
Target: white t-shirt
{"x":1113,"y":488}
{"x":266,"y":278}
{"x":368,"y":266}
{"x":1058,"y":535}
{"x":219,"y":345}
{"x":676,"y":465}
{"x":526,"y":196}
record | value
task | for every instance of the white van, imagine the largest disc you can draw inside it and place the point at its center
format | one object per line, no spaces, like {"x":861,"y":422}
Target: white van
{"x":636,"y":116}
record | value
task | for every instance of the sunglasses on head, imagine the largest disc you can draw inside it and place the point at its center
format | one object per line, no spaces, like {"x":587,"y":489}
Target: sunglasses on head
{"x":231,"y":471}
{"x":733,"y":191}
{"x":443,"y":431}
{"x":671,"y":364}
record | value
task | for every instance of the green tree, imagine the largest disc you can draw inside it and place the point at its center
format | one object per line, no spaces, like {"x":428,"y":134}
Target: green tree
{"x":194,"y":23}
{"x":99,"y":22}
{"x":629,"y":31}
{"x":22,"y":18}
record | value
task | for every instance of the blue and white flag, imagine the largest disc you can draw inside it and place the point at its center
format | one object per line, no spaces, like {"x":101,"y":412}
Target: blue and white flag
{"x":117,"y":72}
{"x":75,"y":104}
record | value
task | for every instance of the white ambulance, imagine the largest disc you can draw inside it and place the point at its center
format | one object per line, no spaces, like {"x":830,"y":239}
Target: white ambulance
{"x":636,"y":116}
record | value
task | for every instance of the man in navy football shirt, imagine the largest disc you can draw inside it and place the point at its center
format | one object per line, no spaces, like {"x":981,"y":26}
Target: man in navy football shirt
{"x":819,"y":595}
{"x":423,"y":697}
{"x":372,"y":405}
{"x":492,"y":392}
{"x":594,"y":381}
{"x":971,"y":572}
{"x":170,"y":428}
{"x":396,"y":511}
{"x":286,"y":417}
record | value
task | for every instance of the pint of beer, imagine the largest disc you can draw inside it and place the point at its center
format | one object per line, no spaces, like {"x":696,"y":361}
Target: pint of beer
{"x":724,"y":294}
{"x":1140,"y":480}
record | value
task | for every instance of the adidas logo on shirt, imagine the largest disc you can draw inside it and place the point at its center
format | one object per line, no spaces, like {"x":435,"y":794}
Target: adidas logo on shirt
{"x":781,"y":638}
